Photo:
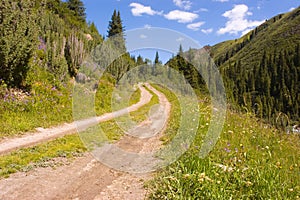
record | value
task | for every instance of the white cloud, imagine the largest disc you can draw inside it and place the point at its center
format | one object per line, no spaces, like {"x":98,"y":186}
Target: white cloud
{"x":201,"y":10}
{"x":207,"y":31}
{"x":237,"y":21}
{"x":195,"y":26}
{"x":180,"y":39}
{"x":246,"y":31}
{"x":221,"y":1}
{"x":184,"y":4}
{"x":142,"y":36}
{"x":147,"y":26}
{"x":139,"y":9}
{"x":291,"y":9}
{"x":181,"y":16}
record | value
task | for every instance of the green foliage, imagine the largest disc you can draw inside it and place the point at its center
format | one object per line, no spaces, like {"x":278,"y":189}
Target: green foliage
{"x":156,"y":60}
{"x":261,"y":70}
{"x":120,"y":66}
{"x":174,"y":117}
{"x":103,"y":97}
{"x":78,"y":9}
{"x":141,"y":114}
{"x":48,"y":104}
{"x":75,"y":52}
{"x":250,"y":161}
{"x":116,"y":32}
{"x":18,"y":37}
{"x":41,"y":155}
{"x":53,"y":32}
{"x":184,"y":64}
{"x":115,"y":26}
{"x":269,"y":89}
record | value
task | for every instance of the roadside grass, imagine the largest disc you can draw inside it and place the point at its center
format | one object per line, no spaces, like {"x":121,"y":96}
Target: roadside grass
{"x":174,"y":117}
{"x":103,"y":95}
{"x":250,"y":161}
{"x":67,"y":147}
{"x":25,"y":159}
{"x":49,"y":104}
{"x":142,"y":113}
{"x":46,"y":106}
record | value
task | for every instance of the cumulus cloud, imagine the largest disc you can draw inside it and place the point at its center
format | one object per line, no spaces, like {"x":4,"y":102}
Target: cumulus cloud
{"x":292,"y":8}
{"x":184,"y":4}
{"x":139,"y":9}
{"x":195,"y":26}
{"x":207,"y":31}
{"x":147,"y":26}
{"x":237,"y":21}
{"x":181,"y":16}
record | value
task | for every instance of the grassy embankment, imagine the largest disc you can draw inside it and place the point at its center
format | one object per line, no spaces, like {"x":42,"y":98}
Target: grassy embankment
{"x":250,"y":161}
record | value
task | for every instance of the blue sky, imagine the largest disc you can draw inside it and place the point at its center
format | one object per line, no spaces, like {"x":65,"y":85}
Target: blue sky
{"x":206,"y":21}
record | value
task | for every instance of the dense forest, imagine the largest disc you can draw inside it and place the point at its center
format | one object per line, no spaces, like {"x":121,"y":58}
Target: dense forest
{"x":260,"y":70}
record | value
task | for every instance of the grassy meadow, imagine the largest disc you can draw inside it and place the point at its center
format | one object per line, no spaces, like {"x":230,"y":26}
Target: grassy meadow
{"x":251,"y":160}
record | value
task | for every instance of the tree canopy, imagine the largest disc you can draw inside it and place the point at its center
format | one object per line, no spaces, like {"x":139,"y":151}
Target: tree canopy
{"x":78,"y":8}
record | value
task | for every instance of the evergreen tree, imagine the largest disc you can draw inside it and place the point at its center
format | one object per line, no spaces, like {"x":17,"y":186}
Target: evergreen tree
{"x":180,"y":52}
{"x":18,"y":38}
{"x":116,"y":31}
{"x":156,"y":60}
{"x":78,"y":8}
{"x":116,"y":38}
{"x":139,"y":60}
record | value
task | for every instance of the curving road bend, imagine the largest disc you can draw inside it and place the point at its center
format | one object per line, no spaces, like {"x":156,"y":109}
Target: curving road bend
{"x":48,"y":134}
{"x":87,"y":178}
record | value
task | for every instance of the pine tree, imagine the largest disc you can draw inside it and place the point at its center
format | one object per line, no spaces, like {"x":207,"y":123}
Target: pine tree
{"x":78,"y":8}
{"x":116,"y":31}
{"x":139,"y":60}
{"x":18,"y":38}
{"x":180,"y":52}
{"x":156,"y":60}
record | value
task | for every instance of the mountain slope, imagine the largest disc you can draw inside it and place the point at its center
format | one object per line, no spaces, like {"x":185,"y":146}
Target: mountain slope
{"x":261,"y":69}
{"x":281,"y":32}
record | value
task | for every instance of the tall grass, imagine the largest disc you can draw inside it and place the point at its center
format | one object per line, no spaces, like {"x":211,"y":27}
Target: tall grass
{"x":250,"y":161}
{"x":49,"y":103}
{"x":41,"y":155}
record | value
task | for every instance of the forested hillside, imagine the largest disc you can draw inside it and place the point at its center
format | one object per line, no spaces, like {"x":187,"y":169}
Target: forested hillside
{"x":260,"y":70}
{"x":48,"y":35}
{"x":43,"y":45}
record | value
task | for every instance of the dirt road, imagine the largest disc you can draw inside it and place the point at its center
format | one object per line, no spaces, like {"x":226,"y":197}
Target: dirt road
{"x":43,"y":135}
{"x":87,"y":178}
